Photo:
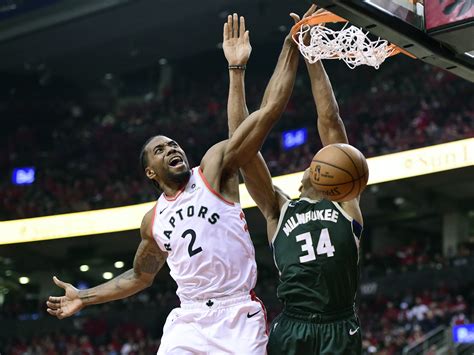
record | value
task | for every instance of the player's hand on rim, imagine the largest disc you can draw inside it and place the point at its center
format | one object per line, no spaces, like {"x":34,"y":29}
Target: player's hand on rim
{"x":313,"y":10}
{"x":67,"y":305}
{"x":236,"y":41}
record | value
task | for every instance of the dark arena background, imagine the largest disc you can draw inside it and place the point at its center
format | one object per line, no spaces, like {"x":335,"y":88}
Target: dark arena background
{"x":84,"y":83}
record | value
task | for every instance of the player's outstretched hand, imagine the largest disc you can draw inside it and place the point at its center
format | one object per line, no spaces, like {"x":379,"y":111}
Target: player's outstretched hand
{"x":236,"y":42}
{"x":67,"y":305}
{"x":309,"y":12}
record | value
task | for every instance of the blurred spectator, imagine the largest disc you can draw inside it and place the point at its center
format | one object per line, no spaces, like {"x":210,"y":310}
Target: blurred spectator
{"x":86,"y":152}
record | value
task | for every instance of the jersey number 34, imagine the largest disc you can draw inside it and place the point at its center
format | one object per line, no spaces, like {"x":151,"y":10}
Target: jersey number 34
{"x":324,"y":246}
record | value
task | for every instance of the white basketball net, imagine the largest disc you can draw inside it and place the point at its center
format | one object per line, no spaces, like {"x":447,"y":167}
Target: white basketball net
{"x":349,"y":44}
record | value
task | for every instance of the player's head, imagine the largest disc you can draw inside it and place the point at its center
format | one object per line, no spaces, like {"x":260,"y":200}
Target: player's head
{"x":306,"y":188}
{"x":164,"y":162}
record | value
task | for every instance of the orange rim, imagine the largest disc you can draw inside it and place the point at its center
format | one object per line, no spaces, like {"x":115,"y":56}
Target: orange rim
{"x":316,"y":19}
{"x":327,"y":16}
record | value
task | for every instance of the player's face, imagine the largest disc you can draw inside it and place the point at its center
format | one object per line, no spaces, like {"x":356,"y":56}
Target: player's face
{"x":167,"y":162}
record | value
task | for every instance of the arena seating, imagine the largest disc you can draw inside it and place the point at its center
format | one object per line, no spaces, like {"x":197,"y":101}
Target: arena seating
{"x":86,"y":154}
{"x":389,"y":321}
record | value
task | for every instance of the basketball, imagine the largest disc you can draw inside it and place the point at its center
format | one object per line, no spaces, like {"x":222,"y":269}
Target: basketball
{"x":339,"y":172}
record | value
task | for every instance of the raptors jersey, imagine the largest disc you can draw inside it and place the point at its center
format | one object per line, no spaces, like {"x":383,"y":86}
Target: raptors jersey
{"x":210,"y":253}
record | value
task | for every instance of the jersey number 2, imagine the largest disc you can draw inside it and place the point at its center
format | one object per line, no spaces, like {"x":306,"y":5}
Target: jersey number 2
{"x":324,"y":245}
{"x":192,"y":233}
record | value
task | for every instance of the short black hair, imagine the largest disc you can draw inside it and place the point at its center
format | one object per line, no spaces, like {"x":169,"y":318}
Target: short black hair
{"x":144,"y":162}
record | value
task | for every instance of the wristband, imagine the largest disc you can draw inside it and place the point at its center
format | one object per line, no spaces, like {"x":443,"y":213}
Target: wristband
{"x":238,"y":67}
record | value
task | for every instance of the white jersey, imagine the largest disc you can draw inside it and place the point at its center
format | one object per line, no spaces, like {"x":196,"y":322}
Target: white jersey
{"x":210,"y":253}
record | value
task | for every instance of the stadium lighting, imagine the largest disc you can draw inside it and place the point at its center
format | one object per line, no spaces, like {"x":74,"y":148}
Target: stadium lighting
{"x":24,"y":280}
{"x":84,"y":268}
{"x":119,"y":264}
{"x":399,"y":201}
{"x":389,"y":167}
{"x":107,"y":275}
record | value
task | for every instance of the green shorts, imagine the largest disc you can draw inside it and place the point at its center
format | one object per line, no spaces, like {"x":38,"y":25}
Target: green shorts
{"x":294,"y":333}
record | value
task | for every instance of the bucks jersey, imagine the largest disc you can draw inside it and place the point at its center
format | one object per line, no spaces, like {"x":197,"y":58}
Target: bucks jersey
{"x":210,"y":253}
{"x":316,"y":251}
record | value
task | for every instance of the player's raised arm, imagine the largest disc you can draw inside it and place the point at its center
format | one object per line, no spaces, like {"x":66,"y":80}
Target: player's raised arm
{"x":236,"y":46}
{"x":257,"y":177}
{"x":237,"y":49}
{"x":148,"y":261}
{"x":225,"y":158}
{"x":330,"y":126}
{"x":250,"y":135}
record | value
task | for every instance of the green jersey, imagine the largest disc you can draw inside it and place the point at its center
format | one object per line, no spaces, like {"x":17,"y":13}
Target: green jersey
{"x":316,"y":251}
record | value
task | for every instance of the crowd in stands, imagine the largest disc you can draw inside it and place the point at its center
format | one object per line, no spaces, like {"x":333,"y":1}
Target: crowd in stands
{"x":388,"y":325}
{"x":126,"y":339}
{"x":86,"y":153}
{"x":417,"y":255}
{"x":390,"y":321}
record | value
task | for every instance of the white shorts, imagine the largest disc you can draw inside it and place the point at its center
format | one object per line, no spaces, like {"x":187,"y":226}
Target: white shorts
{"x":228,"y":325}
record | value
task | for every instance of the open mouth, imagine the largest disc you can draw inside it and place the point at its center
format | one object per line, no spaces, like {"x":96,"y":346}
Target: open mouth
{"x":175,"y":161}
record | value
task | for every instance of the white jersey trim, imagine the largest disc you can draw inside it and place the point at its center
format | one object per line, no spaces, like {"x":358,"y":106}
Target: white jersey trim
{"x":214,"y":192}
{"x":343,"y":212}
{"x":280,"y":220}
{"x":310,"y":200}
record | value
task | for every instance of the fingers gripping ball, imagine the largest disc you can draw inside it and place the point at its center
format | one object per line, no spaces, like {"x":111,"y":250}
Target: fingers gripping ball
{"x":339,"y":172}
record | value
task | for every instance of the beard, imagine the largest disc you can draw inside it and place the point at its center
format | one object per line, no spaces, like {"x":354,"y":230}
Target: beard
{"x":179,"y":178}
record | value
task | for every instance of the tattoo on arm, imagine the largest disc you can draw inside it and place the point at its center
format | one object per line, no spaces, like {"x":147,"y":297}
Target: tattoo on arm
{"x":85,"y":296}
{"x":149,"y":264}
{"x":147,"y":261}
{"x":128,"y":275}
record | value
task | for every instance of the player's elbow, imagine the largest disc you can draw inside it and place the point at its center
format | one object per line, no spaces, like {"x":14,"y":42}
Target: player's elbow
{"x":146,"y":281}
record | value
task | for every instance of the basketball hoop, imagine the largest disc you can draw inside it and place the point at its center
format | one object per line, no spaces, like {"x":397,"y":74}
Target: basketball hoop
{"x":349,"y":44}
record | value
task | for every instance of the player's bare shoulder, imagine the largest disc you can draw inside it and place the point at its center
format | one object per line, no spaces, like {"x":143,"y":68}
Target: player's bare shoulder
{"x":146,"y":227}
{"x":218,"y":174}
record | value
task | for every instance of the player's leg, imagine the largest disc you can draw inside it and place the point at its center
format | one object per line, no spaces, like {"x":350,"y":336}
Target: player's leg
{"x":341,"y":337}
{"x":182,"y":335}
{"x":292,"y":337}
{"x":238,"y":329}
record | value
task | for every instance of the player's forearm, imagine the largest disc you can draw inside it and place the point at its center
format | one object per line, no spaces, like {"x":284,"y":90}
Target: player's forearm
{"x":122,"y":286}
{"x":250,"y":135}
{"x":323,"y":94}
{"x":280,"y":86}
{"x":237,"y":109}
{"x":330,"y":126}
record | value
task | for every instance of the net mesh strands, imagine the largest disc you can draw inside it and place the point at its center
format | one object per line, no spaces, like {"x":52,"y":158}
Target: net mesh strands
{"x":349,"y":44}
